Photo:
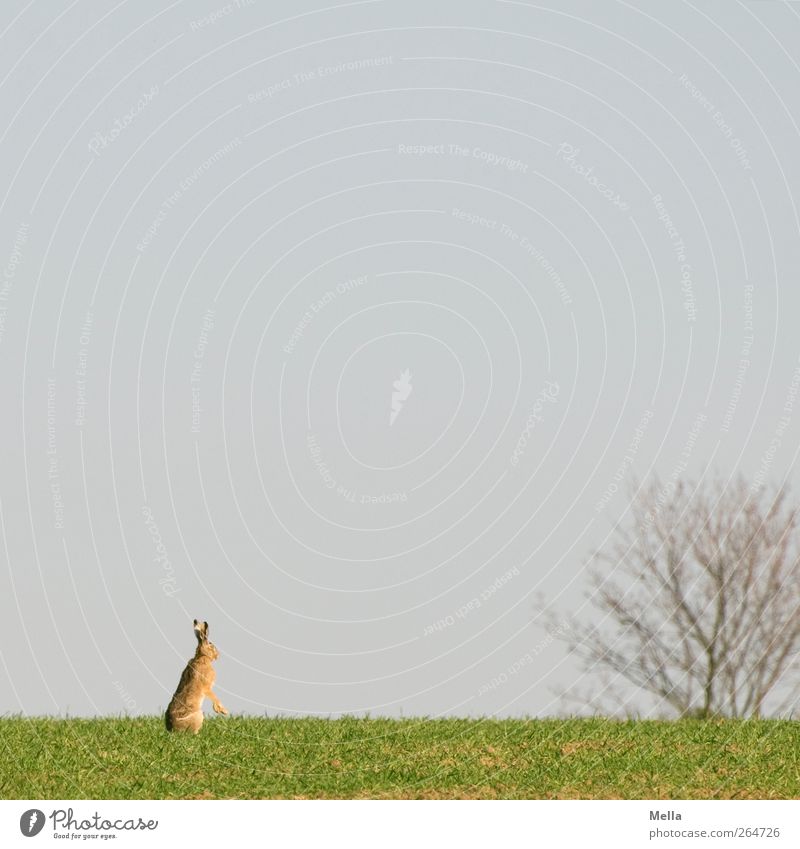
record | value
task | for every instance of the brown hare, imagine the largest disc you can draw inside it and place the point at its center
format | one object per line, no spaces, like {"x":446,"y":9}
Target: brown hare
{"x":185,"y":711}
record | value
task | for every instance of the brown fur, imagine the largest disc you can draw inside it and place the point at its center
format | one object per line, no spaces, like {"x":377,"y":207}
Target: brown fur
{"x":185,"y":711}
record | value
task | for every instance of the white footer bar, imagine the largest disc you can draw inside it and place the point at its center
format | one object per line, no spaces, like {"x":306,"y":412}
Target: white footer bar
{"x":416,"y":824}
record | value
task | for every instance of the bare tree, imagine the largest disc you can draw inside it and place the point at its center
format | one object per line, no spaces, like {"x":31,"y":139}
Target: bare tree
{"x":699,"y":598}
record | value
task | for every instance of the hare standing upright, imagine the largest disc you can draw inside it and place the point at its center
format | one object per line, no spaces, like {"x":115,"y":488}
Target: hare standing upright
{"x":185,"y":711}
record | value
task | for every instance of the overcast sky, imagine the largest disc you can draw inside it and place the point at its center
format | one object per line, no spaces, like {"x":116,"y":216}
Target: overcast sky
{"x":345,"y":328}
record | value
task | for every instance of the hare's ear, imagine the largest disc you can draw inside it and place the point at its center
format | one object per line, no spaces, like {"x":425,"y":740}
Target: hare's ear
{"x":201,"y":630}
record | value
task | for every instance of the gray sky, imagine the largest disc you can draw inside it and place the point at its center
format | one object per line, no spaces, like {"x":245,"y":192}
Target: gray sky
{"x":338,"y":325}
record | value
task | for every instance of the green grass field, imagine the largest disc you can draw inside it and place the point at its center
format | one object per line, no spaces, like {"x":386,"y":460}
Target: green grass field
{"x":248,"y":758}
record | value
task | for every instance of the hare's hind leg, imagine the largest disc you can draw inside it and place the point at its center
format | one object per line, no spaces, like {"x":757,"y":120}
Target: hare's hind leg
{"x":184,"y":722}
{"x":194,"y":721}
